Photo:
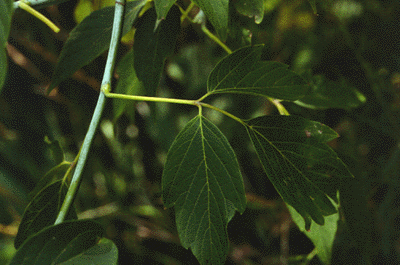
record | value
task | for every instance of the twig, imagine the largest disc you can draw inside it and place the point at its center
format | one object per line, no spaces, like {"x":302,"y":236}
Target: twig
{"x":77,"y":177}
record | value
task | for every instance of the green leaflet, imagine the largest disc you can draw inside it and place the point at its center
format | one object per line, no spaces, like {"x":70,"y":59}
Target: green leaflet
{"x":251,"y":8}
{"x":42,"y":211}
{"x":217,"y":12}
{"x":303,"y":169}
{"x":322,"y":236}
{"x":152,"y":46}
{"x":60,"y":243}
{"x":202,"y":180}
{"x":162,"y":7}
{"x":6,"y":12}
{"x":330,"y":94}
{"x":242,"y":72}
{"x":90,"y":39}
{"x":105,"y":252}
{"x":128,"y":84}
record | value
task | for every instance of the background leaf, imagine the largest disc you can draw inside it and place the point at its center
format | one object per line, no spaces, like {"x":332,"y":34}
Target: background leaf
{"x":90,"y":39}
{"x":330,"y":94}
{"x":42,"y":211}
{"x":242,"y":72}
{"x":59,"y":243}
{"x":162,"y":7}
{"x":152,"y":46}
{"x":202,"y":180}
{"x":55,"y":174}
{"x":217,"y":12}
{"x":6,"y":12}
{"x":322,"y":236}
{"x":303,"y":169}
{"x":251,"y":8}
{"x":103,"y":253}
{"x":128,"y":84}
{"x":313,"y":5}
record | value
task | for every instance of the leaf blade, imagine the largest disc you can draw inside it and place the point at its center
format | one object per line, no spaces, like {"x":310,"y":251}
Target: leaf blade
{"x":152,"y":47}
{"x":202,"y":171}
{"x":329,"y":94}
{"x":52,"y":245}
{"x":321,"y":236}
{"x":217,"y":12}
{"x":162,"y":7}
{"x":251,"y":8}
{"x":129,"y":84}
{"x":96,"y":30}
{"x":242,"y":72}
{"x":105,"y":252}
{"x":42,"y":211}
{"x":295,"y":157}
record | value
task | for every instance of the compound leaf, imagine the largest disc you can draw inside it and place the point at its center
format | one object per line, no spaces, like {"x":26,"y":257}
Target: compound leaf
{"x":242,"y":72}
{"x":6,"y":12}
{"x":90,"y":39}
{"x":152,"y":46}
{"x":202,"y":180}
{"x":58,"y":243}
{"x":303,"y":169}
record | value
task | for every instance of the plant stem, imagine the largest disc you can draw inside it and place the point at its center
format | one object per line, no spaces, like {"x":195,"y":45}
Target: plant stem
{"x":153,"y":99}
{"x":169,"y":100}
{"x":216,"y":39}
{"x":77,"y":177}
{"x":185,"y":13}
{"x":282,"y":110}
{"x":39,"y":3}
{"x":38,"y":15}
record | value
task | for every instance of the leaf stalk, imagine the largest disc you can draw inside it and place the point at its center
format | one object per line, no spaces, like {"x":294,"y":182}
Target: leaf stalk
{"x":38,"y":15}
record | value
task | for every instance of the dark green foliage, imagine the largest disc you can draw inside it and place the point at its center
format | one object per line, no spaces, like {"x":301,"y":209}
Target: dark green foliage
{"x":42,"y":211}
{"x":62,"y":243}
{"x":90,"y":39}
{"x":153,"y":43}
{"x":231,"y":75}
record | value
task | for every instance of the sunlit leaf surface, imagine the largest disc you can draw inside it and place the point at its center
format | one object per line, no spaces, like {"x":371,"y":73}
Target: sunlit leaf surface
{"x":322,"y":236}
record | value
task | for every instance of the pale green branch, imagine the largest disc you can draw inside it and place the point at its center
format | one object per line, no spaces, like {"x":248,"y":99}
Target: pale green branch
{"x":25,"y":6}
{"x":77,"y":177}
{"x":39,"y":3}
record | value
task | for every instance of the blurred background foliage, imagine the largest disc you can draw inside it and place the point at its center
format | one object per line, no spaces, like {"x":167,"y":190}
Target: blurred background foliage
{"x":348,"y":43}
